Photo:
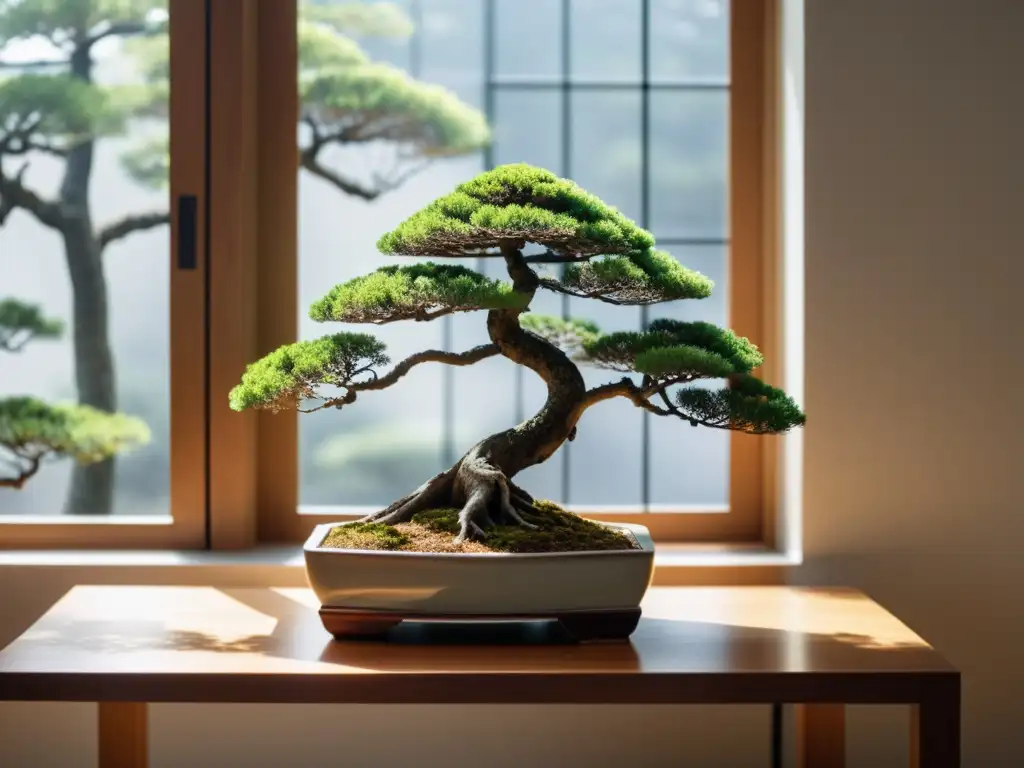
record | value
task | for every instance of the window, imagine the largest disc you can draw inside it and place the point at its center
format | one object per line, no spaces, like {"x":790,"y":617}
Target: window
{"x":661,"y":107}
{"x":641,"y":103}
{"x":94,"y":313}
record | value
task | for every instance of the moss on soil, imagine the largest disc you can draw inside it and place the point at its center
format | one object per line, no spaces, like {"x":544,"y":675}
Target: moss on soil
{"x":366,"y":536}
{"x":434,"y":530}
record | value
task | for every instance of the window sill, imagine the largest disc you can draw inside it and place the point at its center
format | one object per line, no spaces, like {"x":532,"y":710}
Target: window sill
{"x":675,"y":564}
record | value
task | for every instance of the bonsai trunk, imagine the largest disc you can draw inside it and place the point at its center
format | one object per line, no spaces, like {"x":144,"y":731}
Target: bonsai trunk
{"x":92,"y":486}
{"x":480,"y":483}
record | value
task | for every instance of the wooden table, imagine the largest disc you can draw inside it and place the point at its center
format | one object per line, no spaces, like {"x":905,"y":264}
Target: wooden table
{"x":820,"y":649}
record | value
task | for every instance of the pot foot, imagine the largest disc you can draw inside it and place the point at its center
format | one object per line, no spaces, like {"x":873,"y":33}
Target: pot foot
{"x":352,"y":625}
{"x":600,"y":626}
{"x":582,"y":626}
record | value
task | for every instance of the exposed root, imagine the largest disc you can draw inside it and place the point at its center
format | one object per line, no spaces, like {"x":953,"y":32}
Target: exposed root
{"x":486,"y":497}
{"x":518,"y":493}
{"x":475,"y":480}
{"x":432,"y":493}
{"x":487,"y":490}
{"x":508,"y":508}
{"x":377,"y":516}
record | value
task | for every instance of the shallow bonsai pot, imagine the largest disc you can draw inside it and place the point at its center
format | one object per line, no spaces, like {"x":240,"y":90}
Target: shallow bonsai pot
{"x":595,"y":595}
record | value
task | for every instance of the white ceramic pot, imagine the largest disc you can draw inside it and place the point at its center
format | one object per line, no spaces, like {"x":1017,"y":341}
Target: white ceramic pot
{"x":480,"y":585}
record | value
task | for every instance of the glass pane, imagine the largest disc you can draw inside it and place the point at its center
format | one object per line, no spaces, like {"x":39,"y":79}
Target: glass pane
{"x":689,"y":164}
{"x":527,"y":127}
{"x":605,"y":39}
{"x":74,"y":246}
{"x":382,"y":34}
{"x":605,"y":458}
{"x":393,"y":440}
{"x":513,"y":393}
{"x":528,"y":39}
{"x":689,"y":40}
{"x":450,"y":33}
{"x":702,"y":479}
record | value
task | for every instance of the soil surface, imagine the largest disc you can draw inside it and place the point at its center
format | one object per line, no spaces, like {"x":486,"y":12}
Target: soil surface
{"x":434,"y":530}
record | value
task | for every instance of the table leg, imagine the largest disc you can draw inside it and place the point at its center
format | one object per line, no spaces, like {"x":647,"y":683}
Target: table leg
{"x":123,"y":738}
{"x":820,"y":735}
{"x":935,"y":729}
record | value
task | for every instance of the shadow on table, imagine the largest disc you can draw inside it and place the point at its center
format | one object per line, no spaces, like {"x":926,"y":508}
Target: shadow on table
{"x":283,"y":624}
{"x":659,"y":644}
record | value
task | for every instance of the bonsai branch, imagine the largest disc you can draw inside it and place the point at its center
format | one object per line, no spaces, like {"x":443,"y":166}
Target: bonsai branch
{"x":641,"y":397}
{"x":620,"y":293}
{"x":418,"y":314}
{"x":554,"y":285}
{"x":553,"y":257}
{"x":469,"y":357}
{"x":625,"y":388}
{"x":131,"y":224}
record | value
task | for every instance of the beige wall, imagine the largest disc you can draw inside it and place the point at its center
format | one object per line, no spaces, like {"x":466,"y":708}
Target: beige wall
{"x":915,"y":455}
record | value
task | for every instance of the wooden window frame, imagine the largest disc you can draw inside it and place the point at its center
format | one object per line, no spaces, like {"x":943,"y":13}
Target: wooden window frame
{"x":235,"y":477}
{"x":752,"y":300}
{"x":185,"y":526}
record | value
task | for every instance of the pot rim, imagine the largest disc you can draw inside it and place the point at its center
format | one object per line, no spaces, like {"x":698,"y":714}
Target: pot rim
{"x":639,"y":533}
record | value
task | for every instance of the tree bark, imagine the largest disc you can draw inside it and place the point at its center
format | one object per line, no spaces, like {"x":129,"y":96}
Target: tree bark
{"x":92,"y":486}
{"x":533,"y":441}
{"x":480,"y":482}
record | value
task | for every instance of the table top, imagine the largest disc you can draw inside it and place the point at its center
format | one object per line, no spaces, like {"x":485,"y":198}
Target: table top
{"x":709,"y":645}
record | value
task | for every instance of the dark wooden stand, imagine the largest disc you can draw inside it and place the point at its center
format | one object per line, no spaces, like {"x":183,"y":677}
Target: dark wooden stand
{"x":581,"y":626}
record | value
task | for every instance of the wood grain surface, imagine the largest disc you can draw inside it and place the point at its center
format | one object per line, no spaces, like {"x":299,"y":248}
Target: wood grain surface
{"x":205,"y":644}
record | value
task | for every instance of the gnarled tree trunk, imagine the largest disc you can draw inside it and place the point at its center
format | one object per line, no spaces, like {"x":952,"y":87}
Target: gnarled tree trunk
{"x":480,"y":482}
{"x":92,"y":486}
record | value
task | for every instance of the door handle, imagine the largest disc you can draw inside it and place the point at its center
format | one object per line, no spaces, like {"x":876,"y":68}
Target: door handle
{"x":187,"y":234}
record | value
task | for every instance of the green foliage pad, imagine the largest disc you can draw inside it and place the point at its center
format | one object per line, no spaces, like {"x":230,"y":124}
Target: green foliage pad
{"x":747,"y":405}
{"x":644,"y":277}
{"x":677,"y":348}
{"x":291,"y":374}
{"x":568,"y":333}
{"x":413,"y":292}
{"x":517,"y":202}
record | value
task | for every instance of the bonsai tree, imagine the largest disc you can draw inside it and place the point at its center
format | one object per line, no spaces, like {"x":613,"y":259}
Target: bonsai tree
{"x":32,"y":431}
{"x":56,"y":107}
{"x":606,"y":257}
